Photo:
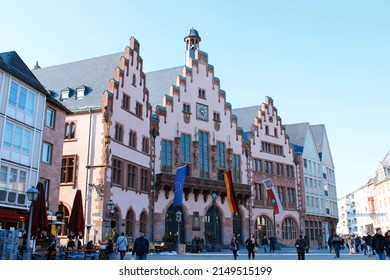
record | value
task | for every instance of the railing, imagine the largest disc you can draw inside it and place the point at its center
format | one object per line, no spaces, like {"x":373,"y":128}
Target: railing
{"x":13,"y":197}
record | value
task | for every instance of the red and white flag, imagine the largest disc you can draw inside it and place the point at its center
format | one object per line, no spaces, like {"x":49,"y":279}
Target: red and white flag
{"x":273,"y":194}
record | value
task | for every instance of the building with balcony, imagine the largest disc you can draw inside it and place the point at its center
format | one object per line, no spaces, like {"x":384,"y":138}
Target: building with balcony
{"x":368,"y":207}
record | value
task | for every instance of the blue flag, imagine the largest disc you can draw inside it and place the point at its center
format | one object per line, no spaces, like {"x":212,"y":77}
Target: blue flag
{"x":179,"y":185}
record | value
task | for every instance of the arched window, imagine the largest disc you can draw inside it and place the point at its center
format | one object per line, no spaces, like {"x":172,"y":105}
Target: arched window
{"x":70,"y":130}
{"x":63,"y":230}
{"x":289,"y":229}
{"x":171,"y":225}
{"x":130,"y":223}
{"x":263,"y":227}
{"x":143,"y":221}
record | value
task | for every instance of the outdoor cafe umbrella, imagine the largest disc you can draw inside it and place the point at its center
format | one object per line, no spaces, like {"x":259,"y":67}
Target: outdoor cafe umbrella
{"x":39,"y":225}
{"x":76,"y":221}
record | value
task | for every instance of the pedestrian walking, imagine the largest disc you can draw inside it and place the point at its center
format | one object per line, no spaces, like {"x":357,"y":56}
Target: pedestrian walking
{"x":336,"y":241}
{"x":330,"y":244}
{"x":308,"y":243}
{"x":251,"y":246}
{"x":234,"y":247}
{"x":319,"y":241}
{"x":121,"y":243}
{"x":140,"y":247}
{"x":264,"y":243}
{"x":387,"y":236}
{"x":301,"y":245}
{"x":272,"y":244}
{"x":379,"y":245}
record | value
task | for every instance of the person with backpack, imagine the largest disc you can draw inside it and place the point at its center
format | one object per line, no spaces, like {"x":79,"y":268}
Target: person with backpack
{"x":122,"y":245}
{"x":301,"y":245}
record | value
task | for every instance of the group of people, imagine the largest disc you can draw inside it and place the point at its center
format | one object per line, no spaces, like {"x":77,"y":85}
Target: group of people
{"x":141,"y":247}
{"x":252,"y":245}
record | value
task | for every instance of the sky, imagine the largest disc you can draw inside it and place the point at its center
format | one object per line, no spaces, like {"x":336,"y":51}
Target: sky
{"x":322,"y":62}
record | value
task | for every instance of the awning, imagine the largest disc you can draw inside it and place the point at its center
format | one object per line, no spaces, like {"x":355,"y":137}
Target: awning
{"x":11,"y":216}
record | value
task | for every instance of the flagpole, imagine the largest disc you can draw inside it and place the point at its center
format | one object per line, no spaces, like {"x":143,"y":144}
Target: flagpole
{"x":250,"y":194}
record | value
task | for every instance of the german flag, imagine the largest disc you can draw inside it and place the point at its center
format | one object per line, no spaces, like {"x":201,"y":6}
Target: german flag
{"x":233,"y":206}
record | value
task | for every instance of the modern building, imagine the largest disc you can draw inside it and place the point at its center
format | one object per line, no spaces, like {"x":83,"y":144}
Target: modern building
{"x":22,"y":118}
{"x":368,"y":207}
{"x":319,"y":197}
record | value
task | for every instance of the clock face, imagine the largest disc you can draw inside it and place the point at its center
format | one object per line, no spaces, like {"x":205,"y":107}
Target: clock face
{"x":202,"y":112}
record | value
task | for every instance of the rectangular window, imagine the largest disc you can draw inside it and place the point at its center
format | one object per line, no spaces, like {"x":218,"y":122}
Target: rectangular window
{"x":185,"y":148}
{"x":118,"y":136}
{"x":68,"y":169}
{"x":281,"y":194}
{"x":117,"y":171}
{"x":144,"y":180}
{"x":279,"y":169}
{"x":70,"y":131}
{"x":22,"y":99}
{"x":236,"y":169}
{"x":269,"y":167}
{"x":17,"y":138}
{"x":3,"y":176}
{"x":202,"y":93}
{"x":50,"y":117}
{"x":126,"y":102}
{"x":257,"y":165}
{"x":145,"y":144}
{"x":166,"y":150}
{"x":133,"y":139}
{"x":12,"y":178}
{"x":186,"y":108}
{"x":204,"y":154}
{"x":131,"y":176}
{"x":220,"y":154}
{"x":291,"y":195}
{"x":47,"y":152}
{"x":138,"y":110}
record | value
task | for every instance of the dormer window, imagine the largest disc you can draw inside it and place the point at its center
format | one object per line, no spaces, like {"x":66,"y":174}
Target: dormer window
{"x":80,"y":92}
{"x":65,"y":94}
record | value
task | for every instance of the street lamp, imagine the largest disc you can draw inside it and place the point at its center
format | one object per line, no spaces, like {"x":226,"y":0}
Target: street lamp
{"x":250,"y":194}
{"x":276,"y":246}
{"x":89,"y":226}
{"x":154,"y":135}
{"x":178,"y":220}
{"x":110,"y":207}
{"x":32,"y":195}
{"x":214,"y":197}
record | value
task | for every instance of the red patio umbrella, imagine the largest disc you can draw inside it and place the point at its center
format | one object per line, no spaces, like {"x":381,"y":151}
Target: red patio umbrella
{"x":39,"y":225}
{"x":76,"y":221}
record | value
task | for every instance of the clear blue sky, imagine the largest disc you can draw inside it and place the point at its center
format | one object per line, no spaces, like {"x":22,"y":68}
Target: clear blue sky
{"x":321,"y":61}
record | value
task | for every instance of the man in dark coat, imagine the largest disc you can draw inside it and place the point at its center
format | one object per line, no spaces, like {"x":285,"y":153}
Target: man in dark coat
{"x":379,"y":245}
{"x":140,"y":247}
{"x":301,"y":245}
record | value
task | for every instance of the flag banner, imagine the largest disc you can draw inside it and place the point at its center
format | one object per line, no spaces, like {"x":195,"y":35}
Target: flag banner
{"x":233,"y":206}
{"x":179,"y":185}
{"x":273,"y":194}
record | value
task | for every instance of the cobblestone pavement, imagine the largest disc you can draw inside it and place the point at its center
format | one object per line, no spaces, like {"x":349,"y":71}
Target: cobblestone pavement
{"x":285,"y":253}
